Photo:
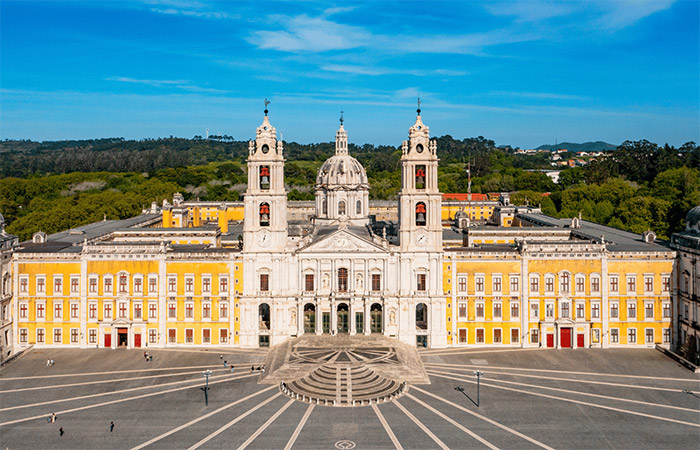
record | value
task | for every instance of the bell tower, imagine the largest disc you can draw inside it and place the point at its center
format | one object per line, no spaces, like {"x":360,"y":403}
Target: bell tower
{"x":420,"y":201}
{"x":265,"y":202}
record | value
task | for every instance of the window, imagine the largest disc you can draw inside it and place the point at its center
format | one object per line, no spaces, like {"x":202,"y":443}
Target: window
{"x":309,"y":282}
{"x":40,"y":336}
{"x":649,"y":335}
{"x":649,"y":310}
{"x":189,"y":285}
{"x":189,"y":310}
{"x":57,"y":286}
{"x":206,"y":336}
{"x":595,"y":310}
{"x":580,"y":311}
{"x":534,"y":285}
{"x":479,"y":335}
{"x":462,"y":284}
{"x":23,"y":311}
{"x":614,"y":286}
{"x":565,"y":310}
{"x":172,"y":311}
{"x":73,"y":310}
{"x":631,"y":310}
{"x":514,"y":336}
{"x":614,"y":311}
{"x":264,"y":282}
{"x":420,"y":176}
{"x":206,"y":310}
{"x":152,"y":336}
{"x":172,"y":335}
{"x":496,"y":284}
{"x":549,"y":284}
{"x":39,"y":310}
{"x":648,"y":284}
{"x":206,"y":284}
{"x":631,"y":284}
{"x":341,"y":208}
{"x":580,"y":283}
{"x":479,"y":310}
{"x":74,"y":285}
{"x":376,"y":282}
{"x":358,"y":208}
{"x":549,"y":310}
{"x":223,"y":310}
{"x":92,"y":286}
{"x":57,"y":335}
{"x":138,"y":285}
{"x":153,"y":286}
{"x":123,"y":311}
{"x":108,"y":285}
{"x":534,"y":336}
{"x":24,"y":285}
{"x":462,"y":336}
{"x":23,"y":333}
{"x":614,"y":335}
{"x":514,"y":309}
{"x":420,"y":214}
{"x":123,"y":284}
{"x":514,"y":284}
{"x":479,"y":283}
{"x":265,"y":174}
{"x":595,"y":284}
{"x":58,"y":311}
{"x":189,"y":336}
{"x":497,"y":336}
{"x":92,"y":336}
{"x":223,"y":336}
{"x":421,"y":284}
{"x":666,"y":335}
{"x":564,"y":283}
{"x":264,"y":215}
{"x":73,"y":335}
{"x":223,"y":284}
{"x":137,"y":311}
{"x":40,"y":285}
{"x":497,"y":311}
{"x":92,"y":311}
{"x":666,"y":308}
{"x":152,"y":311}
{"x":631,"y":335}
{"x":666,"y":281}
{"x":534,"y":311}
{"x":172,"y":284}
{"x":462,"y":308}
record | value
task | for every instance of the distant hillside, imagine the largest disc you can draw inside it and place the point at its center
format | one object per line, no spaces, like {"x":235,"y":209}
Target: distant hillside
{"x":574,"y":147}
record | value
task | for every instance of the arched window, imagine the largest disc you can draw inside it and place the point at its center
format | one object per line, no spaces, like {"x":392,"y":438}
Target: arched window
{"x":341,"y":207}
{"x":265,"y":177}
{"x":358,"y":208}
{"x":420,"y":214}
{"x":343,"y":280}
{"x":375,"y":315}
{"x":421,"y":316}
{"x":324,"y":207}
{"x":420,"y":177}
{"x":309,"y":318}
{"x":264,"y":215}
{"x":264,"y":316}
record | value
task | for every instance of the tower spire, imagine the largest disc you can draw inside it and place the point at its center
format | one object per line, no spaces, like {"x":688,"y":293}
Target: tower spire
{"x":341,"y":117}
{"x":267,"y":102}
{"x":418,"y":110}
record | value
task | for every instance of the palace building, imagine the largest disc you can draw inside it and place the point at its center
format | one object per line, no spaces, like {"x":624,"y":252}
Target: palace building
{"x":265,"y":270}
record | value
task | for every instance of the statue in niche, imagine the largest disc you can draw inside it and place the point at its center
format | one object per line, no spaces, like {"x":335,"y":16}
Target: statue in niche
{"x":293,"y":318}
{"x":325,"y":281}
{"x":392,"y":316}
{"x":358,"y":281}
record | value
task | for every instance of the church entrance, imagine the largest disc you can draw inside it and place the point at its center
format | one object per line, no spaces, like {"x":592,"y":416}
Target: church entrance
{"x":343,"y":318}
{"x":123,"y":337}
{"x":309,"y":318}
{"x":375,"y":315}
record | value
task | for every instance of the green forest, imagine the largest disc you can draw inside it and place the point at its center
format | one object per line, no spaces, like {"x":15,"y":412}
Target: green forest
{"x":52,"y":186}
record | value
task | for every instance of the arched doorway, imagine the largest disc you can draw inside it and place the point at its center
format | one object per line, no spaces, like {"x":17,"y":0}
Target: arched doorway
{"x":343,"y":318}
{"x":421,"y":317}
{"x":264,"y":317}
{"x":309,"y":318}
{"x":375,"y":315}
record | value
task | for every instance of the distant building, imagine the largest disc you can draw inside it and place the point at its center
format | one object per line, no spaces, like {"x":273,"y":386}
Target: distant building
{"x":7,"y":244}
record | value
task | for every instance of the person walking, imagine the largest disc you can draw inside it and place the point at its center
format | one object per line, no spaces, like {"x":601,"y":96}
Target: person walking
{"x":53,"y":417}
{"x":60,"y":431}
{"x":111,"y":426}
{"x":232,"y":368}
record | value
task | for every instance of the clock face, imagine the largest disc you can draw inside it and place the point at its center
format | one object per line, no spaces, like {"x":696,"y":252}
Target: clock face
{"x":421,"y":239}
{"x":264,"y":239}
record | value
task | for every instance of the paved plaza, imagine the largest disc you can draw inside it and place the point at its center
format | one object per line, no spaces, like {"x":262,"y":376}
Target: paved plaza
{"x":528,"y":399}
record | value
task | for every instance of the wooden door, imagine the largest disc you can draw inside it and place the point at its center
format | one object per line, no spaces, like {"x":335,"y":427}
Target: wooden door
{"x":550,"y":340}
{"x":580,"y":340}
{"x":565,"y":337}
{"x":137,"y":340}
{"x":108,"y":340}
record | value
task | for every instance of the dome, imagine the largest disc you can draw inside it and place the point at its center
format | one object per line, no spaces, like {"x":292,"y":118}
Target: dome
{"x":692,"y":220}
{"x":341,"y":170}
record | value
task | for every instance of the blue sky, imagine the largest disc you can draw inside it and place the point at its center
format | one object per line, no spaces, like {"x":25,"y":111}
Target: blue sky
{"x":520,"y":73}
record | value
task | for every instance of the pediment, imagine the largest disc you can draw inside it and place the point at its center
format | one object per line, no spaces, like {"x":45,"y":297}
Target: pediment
{"x":342,"y":241}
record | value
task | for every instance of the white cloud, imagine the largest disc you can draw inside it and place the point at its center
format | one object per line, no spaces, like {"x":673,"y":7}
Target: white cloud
{"x":378,"y":71}
{"x":179,"y":84}
{"x":622,"y":14}
{"x":532,"y":11}
{"x":311,"y":34}
{"x":338,"y":10}
{"x":540,"y":95}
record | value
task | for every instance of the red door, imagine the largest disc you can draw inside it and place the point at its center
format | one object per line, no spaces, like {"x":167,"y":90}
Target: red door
{"x":565,"y":337}
{"x":550,"y":340}
{"x":579,"y":340}
{"x":137,"y":340}
{"x":108,"y":340}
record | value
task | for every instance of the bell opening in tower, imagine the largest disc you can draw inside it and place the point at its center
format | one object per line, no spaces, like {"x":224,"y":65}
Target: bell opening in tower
{"x":420,"y":214}
{"x":265,"y":177}
{"x":420,"y":177}
{"x":264,"y":215}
